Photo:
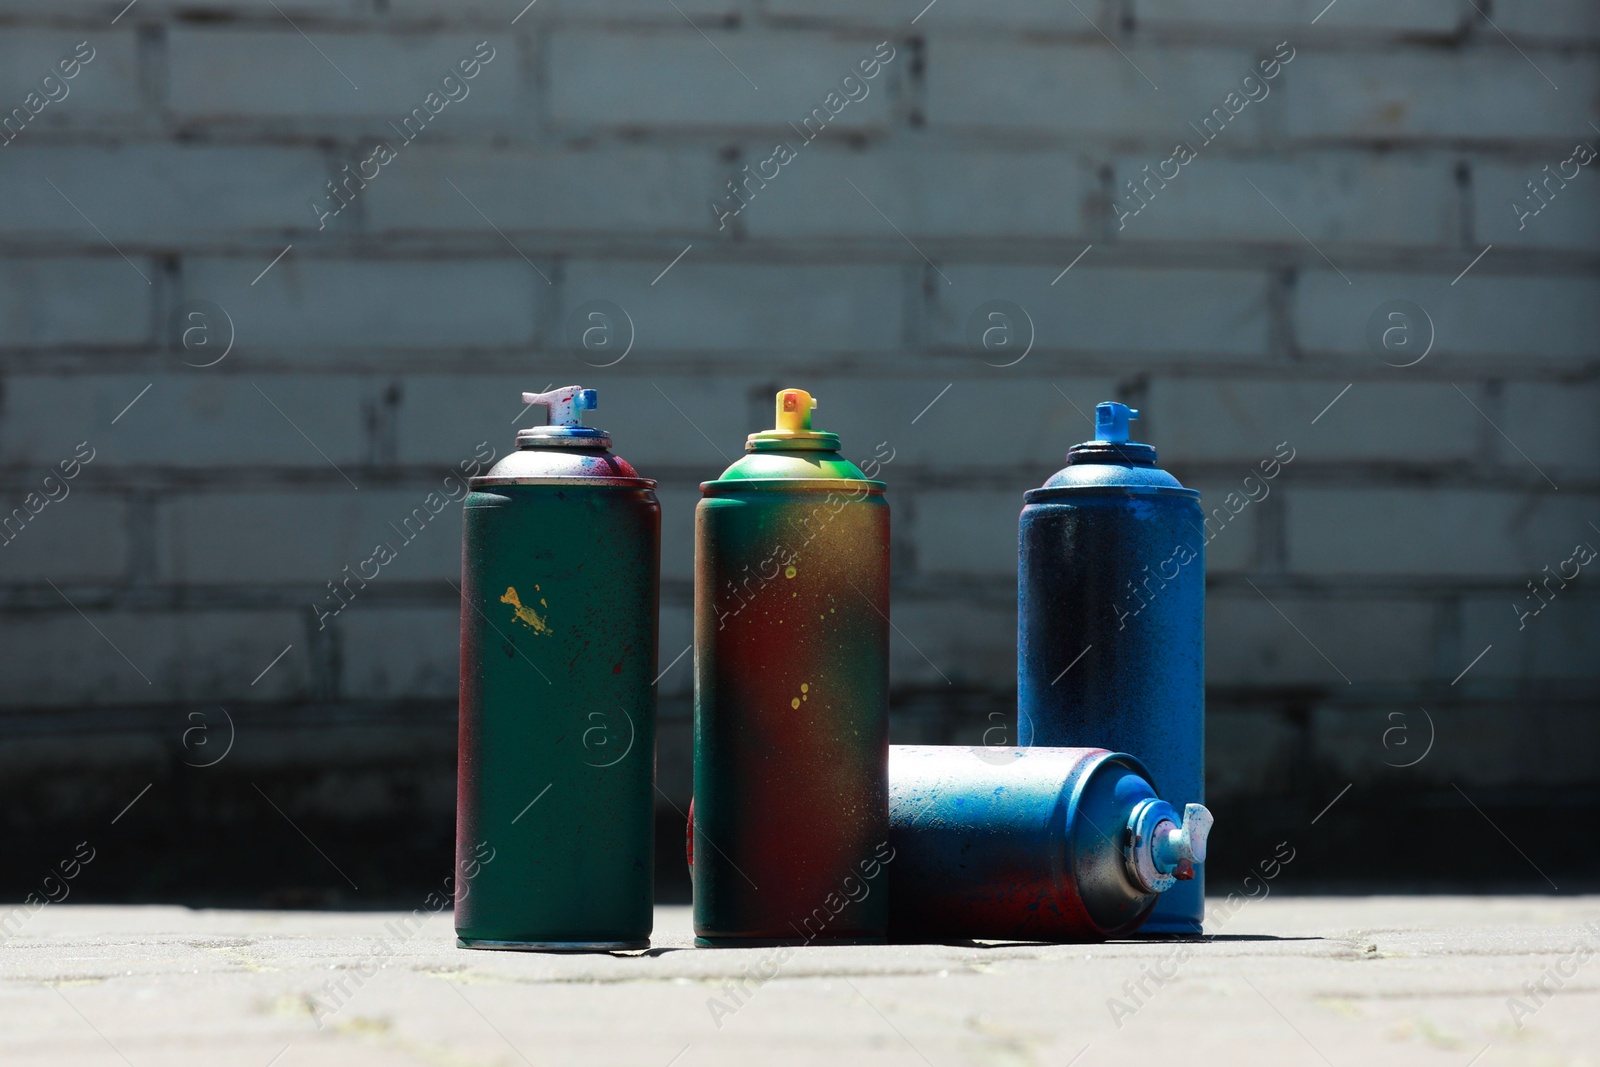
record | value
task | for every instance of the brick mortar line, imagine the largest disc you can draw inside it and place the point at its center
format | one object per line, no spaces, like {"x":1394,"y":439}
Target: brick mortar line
{"x":1466,"y":35}
{"x":491,"y":133}
{"x":414,"y":248}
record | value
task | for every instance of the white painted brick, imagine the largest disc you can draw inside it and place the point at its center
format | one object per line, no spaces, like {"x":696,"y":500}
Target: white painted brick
{"x":1540,"y":317}
{"x":59,"y":301}
{"x":1245,"y":421}
{"x":222,"y":537}
{"x":967,"y":532}
{"x":923,"y":192}
{"x":79,"y":537}
{"x":1435,"y":533}
{"x":1570,"y":219}
{"x":1509,"y":746}
{"x":1482,"y":93}
{"x":1232,"y":545}
{"x":241,"y":73}
{"x":108,"y":85}
{"x":565,"y":11}
{"x":1038,"y":414}
{"x":372,"y":302}
{"x":1248,"y":641}
{"x":628,"y":190}
{"x":675,"y":77}
{"x":1116,"y":310}
{"x":1554,"y":424}
{"x":193,"y":419}
{"x":756,"y":307}
{"x":950,"y":641}
{"x":443,"y":419}
{"x":1335,"y":196}
{"x":677,"y":634}
{"x":400,"y":653}
{"x":1557,"y":21}
{"x":1413,"y":16}
{"x":145,"y":12}
{"x":1532,"y":642}
{"x":932,"y":18}
{"x":677,"y":536}
{"x":975,"y":532}
{"x":1083,"y":89}
{"x":190,"y":656}
{"x":160,"y":193}
{"x":1246,"y":752}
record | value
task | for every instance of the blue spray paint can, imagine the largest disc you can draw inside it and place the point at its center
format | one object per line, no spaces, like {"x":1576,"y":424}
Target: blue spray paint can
{"x":1111,"y":623}
{"x":1030,"y":844}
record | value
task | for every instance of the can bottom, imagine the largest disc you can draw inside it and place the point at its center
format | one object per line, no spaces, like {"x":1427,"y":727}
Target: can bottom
{"x":551,"y":946}
{"x":781,"y":942}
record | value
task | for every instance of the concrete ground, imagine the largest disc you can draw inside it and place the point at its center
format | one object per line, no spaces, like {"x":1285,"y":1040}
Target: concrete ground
{"x":1339,"y":981}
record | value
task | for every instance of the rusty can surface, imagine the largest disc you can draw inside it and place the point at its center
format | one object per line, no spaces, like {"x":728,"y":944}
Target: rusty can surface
{"x":791,"y":669}
{"x":1030,"y":844}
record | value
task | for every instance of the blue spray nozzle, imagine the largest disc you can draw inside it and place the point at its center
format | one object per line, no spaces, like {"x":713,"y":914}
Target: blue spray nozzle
{"x":566,"y":405}
{"x":1111,"y":422}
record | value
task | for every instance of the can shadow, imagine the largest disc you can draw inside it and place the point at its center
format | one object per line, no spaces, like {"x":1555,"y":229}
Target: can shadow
{"x":1152,"y":939}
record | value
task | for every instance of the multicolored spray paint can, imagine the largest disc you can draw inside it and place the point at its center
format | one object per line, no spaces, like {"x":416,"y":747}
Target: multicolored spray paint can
{"x":560,"y":573}
{"x":791,"y":692}
{"x":1111,"y":623}
{"x":1030,"y":844}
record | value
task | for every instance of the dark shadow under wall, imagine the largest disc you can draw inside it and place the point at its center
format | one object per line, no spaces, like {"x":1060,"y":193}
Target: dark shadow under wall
{"x":352,"y":808}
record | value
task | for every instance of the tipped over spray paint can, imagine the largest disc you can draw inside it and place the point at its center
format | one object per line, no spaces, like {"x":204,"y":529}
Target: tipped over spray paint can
{"x":791,"y":680}
{"x":1030,"y":844}
{"x":1111,"y":623}
{"x":560,"y":562}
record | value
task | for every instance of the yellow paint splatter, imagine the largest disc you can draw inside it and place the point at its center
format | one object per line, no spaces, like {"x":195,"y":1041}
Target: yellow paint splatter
{"x":527,"y":616}
{"x":805,"y":687}
{"x":789,"y":572}
{"x":795,"y":703}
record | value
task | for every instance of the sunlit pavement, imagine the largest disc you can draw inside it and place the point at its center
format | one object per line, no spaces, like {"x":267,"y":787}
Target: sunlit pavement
{"x":1342,"y":981}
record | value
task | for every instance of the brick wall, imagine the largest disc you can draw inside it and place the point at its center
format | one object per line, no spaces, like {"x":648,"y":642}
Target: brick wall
{"x":372,"y":349}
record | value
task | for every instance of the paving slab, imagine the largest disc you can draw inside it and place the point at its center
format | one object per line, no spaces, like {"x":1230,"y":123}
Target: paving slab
{"x":1333,"y":981}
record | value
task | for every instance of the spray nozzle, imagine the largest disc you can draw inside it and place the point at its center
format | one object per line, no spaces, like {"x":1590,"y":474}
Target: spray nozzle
{"x":566,"y":404}
{"x":794,"y":410}
{"x":1111,"y":422}
{"x":792,"y":429}
{"x":565,"y":429}
{"x":1163,"y":846}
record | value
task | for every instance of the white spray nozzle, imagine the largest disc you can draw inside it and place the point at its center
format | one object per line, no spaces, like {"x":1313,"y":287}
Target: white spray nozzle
{"x":566,"y":405}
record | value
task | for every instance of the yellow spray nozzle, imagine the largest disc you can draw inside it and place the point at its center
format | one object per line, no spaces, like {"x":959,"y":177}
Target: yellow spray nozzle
{"x":793,"y":429}
{"x":794,"y":410}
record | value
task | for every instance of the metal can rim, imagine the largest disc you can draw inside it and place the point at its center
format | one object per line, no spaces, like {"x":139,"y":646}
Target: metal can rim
{"x":1044,"y":493}
{"x":809,"y":484}
{"x":484,"y":481}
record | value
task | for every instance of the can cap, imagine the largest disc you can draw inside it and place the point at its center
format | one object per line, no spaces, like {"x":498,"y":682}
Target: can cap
{"x":793,"y":430}
{"x":1111,"y":444}
{"x":1163,"y":846}
{"x":563,"y":451}
{"x":1109,"y":463}
{"x":1111,"y":421}
{"x":565,"y":428}
{"x":791,"y":455}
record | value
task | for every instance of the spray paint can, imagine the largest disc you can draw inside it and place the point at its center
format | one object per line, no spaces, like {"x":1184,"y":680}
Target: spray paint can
{"x":1030,"y":844}
{"x":560,"y":582}
{"x":791,"y":680}
{"x":1111,"y":623}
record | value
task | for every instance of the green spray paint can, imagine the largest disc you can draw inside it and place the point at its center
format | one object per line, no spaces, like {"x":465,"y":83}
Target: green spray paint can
{"x":791,"y":693}
{"x":560,"y":572}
